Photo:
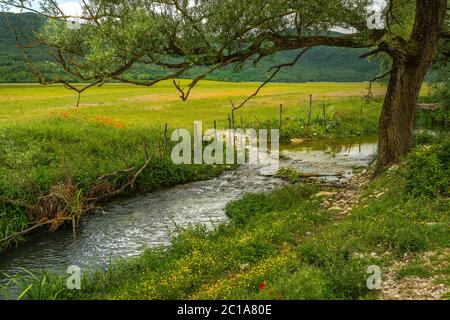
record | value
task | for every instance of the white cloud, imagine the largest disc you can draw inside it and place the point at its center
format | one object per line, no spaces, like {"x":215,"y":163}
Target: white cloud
{"x":71,"y":8}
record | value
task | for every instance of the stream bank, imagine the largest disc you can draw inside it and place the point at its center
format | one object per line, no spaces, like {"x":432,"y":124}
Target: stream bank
{"x":127,"y":227}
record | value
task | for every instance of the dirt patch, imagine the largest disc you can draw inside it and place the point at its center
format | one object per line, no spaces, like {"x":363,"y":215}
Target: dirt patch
{"x":347,"y":198}
{"x":414,"y":287}
{"x":432,"y":285}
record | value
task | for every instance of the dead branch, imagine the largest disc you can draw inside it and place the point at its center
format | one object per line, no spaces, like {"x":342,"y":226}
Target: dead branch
{"x":40,"y":224}
{"x":66,"y":202}
{"x":319,"y":175}
{"x":277,"y":69}
{"x":115,"y":173}
{"x":130,"y":183}
{"x":369,"y":93}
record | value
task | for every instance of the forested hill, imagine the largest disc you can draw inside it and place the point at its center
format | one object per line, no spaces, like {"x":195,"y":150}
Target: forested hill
{"x":319,"y":64}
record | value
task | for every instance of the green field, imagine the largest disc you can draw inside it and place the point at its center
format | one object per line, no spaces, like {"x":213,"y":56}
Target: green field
{"x":289,"y":244}
{"x":161,"y":104}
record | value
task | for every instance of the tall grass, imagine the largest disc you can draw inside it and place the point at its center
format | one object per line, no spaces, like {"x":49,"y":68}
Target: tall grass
{"x":285,"y":245}
{"x":37,"y":157}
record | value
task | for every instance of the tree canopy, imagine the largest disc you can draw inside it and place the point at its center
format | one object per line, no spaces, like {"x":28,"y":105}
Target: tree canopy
{"x":318,"y":65}
{"x":112,"y":36}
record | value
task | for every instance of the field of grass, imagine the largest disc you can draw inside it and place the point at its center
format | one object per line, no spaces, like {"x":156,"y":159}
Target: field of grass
{"x":49,"y":144}
{"x":289,"y":245}
{"x":161,"y":104}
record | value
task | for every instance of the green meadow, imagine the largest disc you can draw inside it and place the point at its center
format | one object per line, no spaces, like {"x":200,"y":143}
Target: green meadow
{"x":161,"y":104}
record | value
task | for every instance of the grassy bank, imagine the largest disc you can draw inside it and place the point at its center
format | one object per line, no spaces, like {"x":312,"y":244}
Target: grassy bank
{"x":302,"y":242}
{"x":50,"y":170}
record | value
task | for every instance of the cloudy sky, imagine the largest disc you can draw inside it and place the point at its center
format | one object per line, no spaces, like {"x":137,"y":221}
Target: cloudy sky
{"x":70,"y":7}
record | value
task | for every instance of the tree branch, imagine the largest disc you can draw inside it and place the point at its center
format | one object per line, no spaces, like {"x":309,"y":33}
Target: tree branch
{"x":369,"y":93}
{"x":277,"y":69}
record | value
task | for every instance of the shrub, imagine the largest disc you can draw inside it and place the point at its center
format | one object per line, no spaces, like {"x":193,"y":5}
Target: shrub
{"x":410,"y":239}
{"x":424,"y":138}
{"x":414,"y":270}
{"x":427,"y":173}
{"x":307,"y":283}
{"x":346,"y":276}
{"x":282,"y":199}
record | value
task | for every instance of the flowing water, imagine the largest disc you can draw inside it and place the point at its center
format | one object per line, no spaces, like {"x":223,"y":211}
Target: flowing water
{"x":125,"y":228}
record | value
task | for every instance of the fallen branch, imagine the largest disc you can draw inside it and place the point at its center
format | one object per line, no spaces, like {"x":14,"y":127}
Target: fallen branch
{"x":17,"y":203}
{"x":67,"y":203}
{"x":129,"y":183}
{"x":34,"y":227}
{"x":319,"y":175}
{"x":128,"y":170}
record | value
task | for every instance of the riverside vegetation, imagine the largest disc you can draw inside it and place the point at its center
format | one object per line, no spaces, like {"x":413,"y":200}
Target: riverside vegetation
{"x":56,"y":159}
{"x":290,"y":244}
{"x":287,"y":234}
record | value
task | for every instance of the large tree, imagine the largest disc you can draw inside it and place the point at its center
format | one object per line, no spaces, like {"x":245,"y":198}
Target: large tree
{"x":178,"y":35}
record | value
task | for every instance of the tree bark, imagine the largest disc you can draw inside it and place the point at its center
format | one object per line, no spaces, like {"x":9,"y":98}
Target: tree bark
{"x":398,"y":114}
{"x":411,"y":62}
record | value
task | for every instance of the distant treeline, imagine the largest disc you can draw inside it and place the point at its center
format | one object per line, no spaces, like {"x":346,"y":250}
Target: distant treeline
{"x":319,"y":64}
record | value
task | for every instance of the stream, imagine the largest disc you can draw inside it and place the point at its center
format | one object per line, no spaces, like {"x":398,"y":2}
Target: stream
{"x":126,"y":227}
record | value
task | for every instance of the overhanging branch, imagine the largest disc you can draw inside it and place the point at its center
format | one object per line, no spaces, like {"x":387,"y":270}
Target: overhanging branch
{"x":274,"y":73}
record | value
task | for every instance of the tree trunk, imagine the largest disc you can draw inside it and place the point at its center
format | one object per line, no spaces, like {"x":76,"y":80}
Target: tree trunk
{"x":398,"y":114}
{"x":411,"y":61}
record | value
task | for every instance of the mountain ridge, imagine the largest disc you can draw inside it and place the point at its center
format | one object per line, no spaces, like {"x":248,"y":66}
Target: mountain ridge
{"x":319,"y":64}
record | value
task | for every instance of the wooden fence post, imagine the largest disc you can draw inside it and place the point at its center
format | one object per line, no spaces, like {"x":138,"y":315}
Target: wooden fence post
{"x":310,"y":110}
{"x":232,"y":118}
{"x":281,"y":117}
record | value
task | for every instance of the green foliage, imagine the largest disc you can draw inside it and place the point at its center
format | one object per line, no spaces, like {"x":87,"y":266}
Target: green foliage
{"x":36,"y":156}
{"x":440,"y":117}
{"x":345,"y":274}
{"x":414,"y":269}
{"x":441,"y":85}
{"x":279,"y":200}
{"x":265,"y":252}
{"x":343,"y":118}
{"x":320,"y":64}
{"x":408,"y":238}
{"x":429,"y":173}
{"x":289,"y":174}
{"x":424,"y":138}
{"x":34,"y":286}
{"x":307,"y":283}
